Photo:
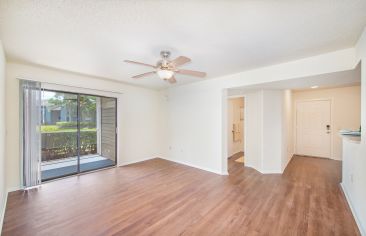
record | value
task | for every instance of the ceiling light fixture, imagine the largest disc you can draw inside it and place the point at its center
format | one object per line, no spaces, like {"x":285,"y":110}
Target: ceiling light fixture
{"x":165,"y":74}
{"x":314,"y":87}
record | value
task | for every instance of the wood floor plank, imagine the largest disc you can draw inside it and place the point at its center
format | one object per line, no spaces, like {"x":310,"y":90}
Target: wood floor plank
{"x":159,"y":197}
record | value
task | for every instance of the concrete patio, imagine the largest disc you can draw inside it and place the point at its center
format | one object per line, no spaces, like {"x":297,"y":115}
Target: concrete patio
{"x":68,"y":166}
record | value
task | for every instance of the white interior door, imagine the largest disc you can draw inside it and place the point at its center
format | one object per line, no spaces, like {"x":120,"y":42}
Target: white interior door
{"x":313,"y":130}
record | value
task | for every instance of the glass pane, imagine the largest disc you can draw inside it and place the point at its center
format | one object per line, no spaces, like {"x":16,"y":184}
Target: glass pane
{"x":59,"y":134}
{"x":97,"y":125}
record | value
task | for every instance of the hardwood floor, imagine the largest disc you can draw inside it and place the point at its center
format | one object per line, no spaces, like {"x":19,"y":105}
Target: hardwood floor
{"x":158,"y":197}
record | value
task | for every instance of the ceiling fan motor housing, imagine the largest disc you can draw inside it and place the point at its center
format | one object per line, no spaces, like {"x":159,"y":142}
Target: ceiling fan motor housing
{"x":165,"y":54}
{"x":164,"y":63}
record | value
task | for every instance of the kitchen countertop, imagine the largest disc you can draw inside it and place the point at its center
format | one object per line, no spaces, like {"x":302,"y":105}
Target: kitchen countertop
{"x":352,"y":138}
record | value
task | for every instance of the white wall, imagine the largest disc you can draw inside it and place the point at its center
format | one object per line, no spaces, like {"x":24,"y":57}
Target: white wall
{"x":142,"y":115}
{"x":272,"y":131}
{"x":345,"y":111}
{"x":194,"y":137}
{"x":354,"y":163}
{"x":253,"y":129}
{"x":197,"y":129}
{"x":354,"y":180}
{"x":287,"y":129}
{"x":3,"y":191}
{"x":234,"y":107}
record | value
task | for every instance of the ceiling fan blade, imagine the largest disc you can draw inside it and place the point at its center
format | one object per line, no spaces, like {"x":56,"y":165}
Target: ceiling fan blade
{"x":139,"y":63}
{"x":143,"y":75}
{"x":180,"y":61}
{"x":172,"y":80}
{"x":191,"y":73}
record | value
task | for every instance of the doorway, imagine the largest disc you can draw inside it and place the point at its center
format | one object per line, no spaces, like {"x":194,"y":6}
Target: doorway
{"x":78,"y":133}
{"x":313,"y":128}
{"x":235,"y":129}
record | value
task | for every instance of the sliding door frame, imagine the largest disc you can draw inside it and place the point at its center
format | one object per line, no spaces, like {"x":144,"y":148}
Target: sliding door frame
{"x":78,"y":131}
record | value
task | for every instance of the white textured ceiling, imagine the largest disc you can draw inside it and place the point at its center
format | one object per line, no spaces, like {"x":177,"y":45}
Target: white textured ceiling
{"x":222,"y":37}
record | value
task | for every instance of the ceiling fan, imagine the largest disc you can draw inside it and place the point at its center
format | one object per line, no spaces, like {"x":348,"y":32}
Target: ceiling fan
{"x":166,"y":68}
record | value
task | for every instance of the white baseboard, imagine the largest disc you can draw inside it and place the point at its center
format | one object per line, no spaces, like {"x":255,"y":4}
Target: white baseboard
{"x":134,"y":161}
{"x":3,"y":212}
{"x":267,"y":172}
{"x":288,"y":161}
{"x":250,"y":166}
{"x":362,"y":231}
{"x":197,"y":167}
{"x":13,"y":189}
{"x":336,"y":158}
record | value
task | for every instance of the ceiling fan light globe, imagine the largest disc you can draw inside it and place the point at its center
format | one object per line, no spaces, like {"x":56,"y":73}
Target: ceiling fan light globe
{"x":165,"y":74}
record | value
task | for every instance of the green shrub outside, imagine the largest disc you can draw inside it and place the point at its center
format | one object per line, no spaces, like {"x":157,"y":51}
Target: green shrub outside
{"x":73,"y":124}
{"x":57,"y":145}
{"x":61,"y":139}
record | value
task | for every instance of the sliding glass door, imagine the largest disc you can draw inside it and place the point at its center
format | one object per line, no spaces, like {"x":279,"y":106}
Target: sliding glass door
{"x":78,"y":133}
